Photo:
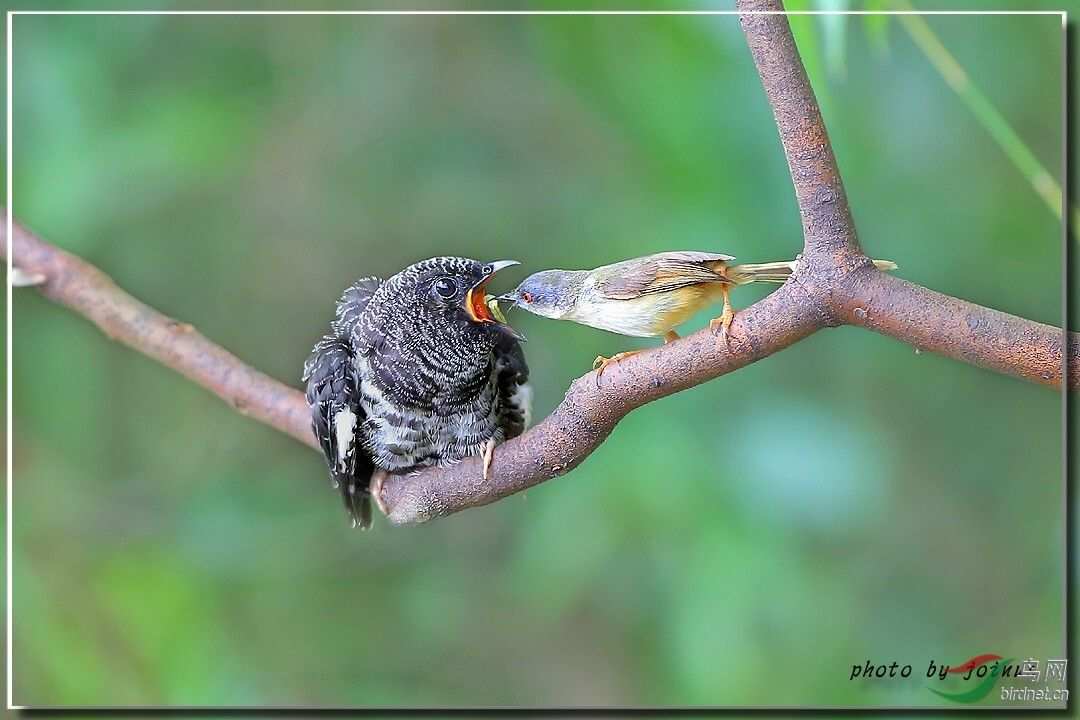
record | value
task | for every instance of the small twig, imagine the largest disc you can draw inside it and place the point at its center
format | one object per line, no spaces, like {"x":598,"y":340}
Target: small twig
{"x":21,"y":278}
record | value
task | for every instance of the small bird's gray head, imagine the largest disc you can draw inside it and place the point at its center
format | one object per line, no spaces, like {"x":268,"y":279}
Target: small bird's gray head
{"x":548,"y":293}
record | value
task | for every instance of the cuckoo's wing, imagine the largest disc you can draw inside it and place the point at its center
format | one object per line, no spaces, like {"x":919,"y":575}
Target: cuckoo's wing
{"x":659,"y":273}
{"x":512,"y":379}
{"x":333,"y":394}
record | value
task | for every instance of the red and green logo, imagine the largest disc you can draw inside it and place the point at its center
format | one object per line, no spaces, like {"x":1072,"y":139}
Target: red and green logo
{"x":985,"y":670}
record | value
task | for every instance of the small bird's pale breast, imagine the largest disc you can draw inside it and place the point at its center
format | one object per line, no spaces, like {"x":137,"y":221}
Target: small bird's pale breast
{"x":649,"y":315}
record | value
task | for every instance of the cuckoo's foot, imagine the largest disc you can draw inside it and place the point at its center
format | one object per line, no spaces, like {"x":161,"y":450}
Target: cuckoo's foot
{"x":601,"y":362}
{"x":375,"y":488}
{"x":489,"y":455}
{"x":670,"y":336}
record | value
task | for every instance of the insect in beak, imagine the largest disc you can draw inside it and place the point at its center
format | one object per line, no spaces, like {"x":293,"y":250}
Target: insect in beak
{"x":484,"y":308}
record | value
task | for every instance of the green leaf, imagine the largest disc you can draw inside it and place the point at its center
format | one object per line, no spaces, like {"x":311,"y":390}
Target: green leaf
{"x":877,"y":26}
{"x":834,"y":31}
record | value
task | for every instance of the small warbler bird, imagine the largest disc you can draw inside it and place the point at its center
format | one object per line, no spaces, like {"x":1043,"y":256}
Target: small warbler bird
{"x":418,"y":370}
{"x":646,"y":296}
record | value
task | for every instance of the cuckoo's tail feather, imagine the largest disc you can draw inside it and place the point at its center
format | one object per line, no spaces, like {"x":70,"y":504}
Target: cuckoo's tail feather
{"x":778,"y":272}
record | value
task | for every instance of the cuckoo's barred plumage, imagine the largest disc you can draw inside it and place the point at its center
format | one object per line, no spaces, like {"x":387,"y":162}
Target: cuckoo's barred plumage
{"x":415,"y":371}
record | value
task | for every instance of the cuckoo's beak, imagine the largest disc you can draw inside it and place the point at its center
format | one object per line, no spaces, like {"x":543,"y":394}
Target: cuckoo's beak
{"x":484,"y":309}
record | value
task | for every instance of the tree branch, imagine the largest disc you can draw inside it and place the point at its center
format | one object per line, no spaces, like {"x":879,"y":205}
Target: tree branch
{"x":76,"y":284}
{"x":961,"y":330}
{"x":833,"y":284}
{"x":831,"y":244}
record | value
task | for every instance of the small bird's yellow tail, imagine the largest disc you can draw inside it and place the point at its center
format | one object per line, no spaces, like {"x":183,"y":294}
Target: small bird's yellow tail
{"x":777,"y":272}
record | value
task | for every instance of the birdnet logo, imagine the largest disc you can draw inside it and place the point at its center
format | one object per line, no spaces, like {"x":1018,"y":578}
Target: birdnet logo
{"x":985,"y":670}
{"x":977,"y":678}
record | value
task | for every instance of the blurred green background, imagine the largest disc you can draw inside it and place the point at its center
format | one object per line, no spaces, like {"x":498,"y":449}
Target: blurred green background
{"x":742,"y":543}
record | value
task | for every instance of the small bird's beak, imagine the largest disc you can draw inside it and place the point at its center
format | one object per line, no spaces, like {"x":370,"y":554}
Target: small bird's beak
{"x":485,"y":309}
{"x":511,"y":297}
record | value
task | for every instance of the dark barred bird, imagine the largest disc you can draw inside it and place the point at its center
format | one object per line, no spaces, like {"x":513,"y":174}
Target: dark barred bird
{"x":415,"y":371}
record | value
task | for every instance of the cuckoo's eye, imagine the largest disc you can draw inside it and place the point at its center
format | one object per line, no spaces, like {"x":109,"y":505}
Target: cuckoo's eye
{"x":487,"y":269}
{"x":445,"y":288}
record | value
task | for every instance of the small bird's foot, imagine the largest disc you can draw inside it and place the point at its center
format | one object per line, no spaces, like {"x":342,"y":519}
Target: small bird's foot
{"x":723,"y":322}
{"x":670,"y":336}
{"x":489,"y":455}
{"x":375,"y":488}
{"x":601,"y":362}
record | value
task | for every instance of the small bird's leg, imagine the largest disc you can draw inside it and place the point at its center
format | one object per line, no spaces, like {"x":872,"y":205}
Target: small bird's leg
{"x":601,"y":362}
{"x":724,"y":321}
{"x":489,"y":455}
{"x":375,"y":488}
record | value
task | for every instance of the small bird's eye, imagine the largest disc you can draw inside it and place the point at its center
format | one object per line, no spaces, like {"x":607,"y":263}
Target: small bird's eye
{"x":527,"y":297}
{"x":445,"y":288}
